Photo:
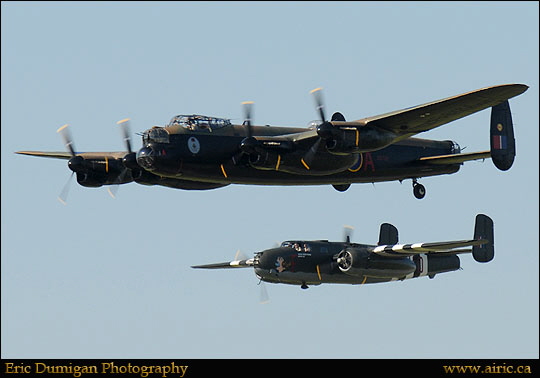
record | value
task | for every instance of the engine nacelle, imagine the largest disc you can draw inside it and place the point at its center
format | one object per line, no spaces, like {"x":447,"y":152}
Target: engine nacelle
{"x":359,"y":262}
{"x":430,"y":265}
{"x":91,"y":179}
{"x":293,"y":162}
{"x":94,"y":173}
{"x":265,"y":160}
{"x":353,"y":261}
{"x":143,"y":177}
{"x":356,"y":139}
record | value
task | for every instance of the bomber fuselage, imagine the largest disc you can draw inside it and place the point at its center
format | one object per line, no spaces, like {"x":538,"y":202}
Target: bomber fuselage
{"x":316,"y":262}
{"x":214,"y":156}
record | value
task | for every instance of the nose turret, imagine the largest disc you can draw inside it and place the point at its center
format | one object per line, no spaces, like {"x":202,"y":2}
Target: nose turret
{"x":145,"y":158}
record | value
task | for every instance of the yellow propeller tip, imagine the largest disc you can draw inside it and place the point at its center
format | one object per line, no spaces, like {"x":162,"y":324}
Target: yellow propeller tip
{"x":315,"y":90}
{"x":62,"y":128}
{"x":247,"y":102}
{"x":111,"y":193}
{"x":122,"y":121}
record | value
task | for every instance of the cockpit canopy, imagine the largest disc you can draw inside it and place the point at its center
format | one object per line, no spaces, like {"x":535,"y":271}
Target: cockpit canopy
{"x":197,"y":122}
{"x":297,"y":245}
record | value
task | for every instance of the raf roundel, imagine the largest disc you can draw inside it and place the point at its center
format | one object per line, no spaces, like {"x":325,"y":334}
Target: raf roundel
{"x":194,"y":145}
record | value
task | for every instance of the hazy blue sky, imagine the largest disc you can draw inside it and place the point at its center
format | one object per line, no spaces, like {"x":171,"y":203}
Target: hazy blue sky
{"x":111,"y":278}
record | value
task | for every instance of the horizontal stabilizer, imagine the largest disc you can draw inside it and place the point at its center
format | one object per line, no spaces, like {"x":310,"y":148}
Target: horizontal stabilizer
{"x":455,"y":158}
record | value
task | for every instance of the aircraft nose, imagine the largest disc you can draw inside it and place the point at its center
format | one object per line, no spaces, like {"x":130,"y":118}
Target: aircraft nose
{"x":145,"y":158}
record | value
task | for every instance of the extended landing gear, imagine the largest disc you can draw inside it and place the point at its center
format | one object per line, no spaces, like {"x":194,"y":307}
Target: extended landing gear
{"x":341,"y":187}
{"x":419,"y":190}
{"x":304,"y":286}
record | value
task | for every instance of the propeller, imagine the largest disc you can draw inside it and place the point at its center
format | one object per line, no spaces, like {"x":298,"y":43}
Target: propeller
{"x":66,"y":136}
{"x":248,"y":107}
{"x":77,"y":163}
{"x":125,"y":128}
{"x":113,"y":189}
{"x":247,"y":145}
{"x":74,"y":163}
{"x":128,"y":160}
{"x":263,"y":294}
{"x":317,"y":95}
{"x":65,"y":191}
{"x":263,"y":297}
{"x":239,"y":255}
{"x":347,"y":233}
{"x":344,"y":259}
{"x":324,"y":130}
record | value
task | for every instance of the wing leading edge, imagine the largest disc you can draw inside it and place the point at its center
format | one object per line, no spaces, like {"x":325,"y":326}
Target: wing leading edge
{"x":448,"y":247}
{"x":428,"y":116}
{"x":67,"y":155}
{"x":227,"y":265}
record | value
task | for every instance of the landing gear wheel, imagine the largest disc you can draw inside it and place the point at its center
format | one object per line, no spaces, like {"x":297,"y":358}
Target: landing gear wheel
{"x":419,"y":190}
{"x":304,"y":286}
{"x":341,"y":187}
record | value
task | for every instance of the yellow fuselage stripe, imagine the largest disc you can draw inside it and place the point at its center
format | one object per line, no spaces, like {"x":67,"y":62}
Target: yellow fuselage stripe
{"x":319,"y":273}
{"x":106,"y":164}
{"x":304,"y":163}
{"x":223,"y":171}
{"x":357,"y":137}
{"x":359,"y":165}
{"x":278,"y":162}
{"x":364,"y":280}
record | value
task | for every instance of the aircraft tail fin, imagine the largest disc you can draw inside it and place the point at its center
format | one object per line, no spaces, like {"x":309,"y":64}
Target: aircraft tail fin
{"x":483,"y":229}
{"x":503,"y":143}
{"x":388,"y":234}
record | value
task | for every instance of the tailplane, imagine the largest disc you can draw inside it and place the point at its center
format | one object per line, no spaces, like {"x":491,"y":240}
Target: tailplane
{"x":483,"y":229}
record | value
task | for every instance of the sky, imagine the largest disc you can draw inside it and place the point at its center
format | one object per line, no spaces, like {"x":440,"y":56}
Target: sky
{"x":111,"y":278}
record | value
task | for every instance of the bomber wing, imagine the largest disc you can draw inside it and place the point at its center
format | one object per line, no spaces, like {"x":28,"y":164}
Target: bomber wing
{"x":428,"y":116}
{"x":285,"y":141}
{"x":226,"y":265}
{"x":67,"y":155}
{"x":410,"y":121}
{"x":448,"y":247}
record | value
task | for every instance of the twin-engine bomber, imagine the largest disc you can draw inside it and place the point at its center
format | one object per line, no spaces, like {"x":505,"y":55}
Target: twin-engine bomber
{"x":199,"y":152}
{"x":314,"y":262}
